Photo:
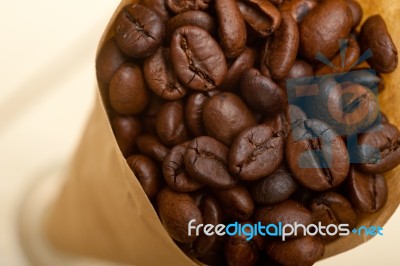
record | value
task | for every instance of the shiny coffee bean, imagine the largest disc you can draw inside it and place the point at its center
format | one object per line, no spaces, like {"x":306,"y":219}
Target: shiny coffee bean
{"x":159,"y":7}
{"x":225,"y":115}
{"x":274,"y":188}
{"x":170,"y":124}
{"x":252,"y":148}
{"x":179,"y":6}
{"x":367,"y":192}
{"x":298,"y":8}
{"x":161,"y":77}
{"x":375,"y":36}
{"x":151,"y":146}
{"x":236,"y":202}
{"x":197,"y":58}
{"x":316,"y":155}
{"x":147,"y":173}
{"x":175,"y":172}
{"x":356,"y":11}
{"x":206,"y":160}
{"x":138,"y":30}
{"x":126,"y":130}
{"x":176,"y":210}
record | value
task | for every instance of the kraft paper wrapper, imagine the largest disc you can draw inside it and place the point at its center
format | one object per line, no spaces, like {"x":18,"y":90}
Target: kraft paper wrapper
{"x":103,"y":212}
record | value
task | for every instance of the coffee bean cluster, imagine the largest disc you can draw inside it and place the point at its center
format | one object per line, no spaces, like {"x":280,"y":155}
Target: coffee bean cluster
{"x":196,"y":94}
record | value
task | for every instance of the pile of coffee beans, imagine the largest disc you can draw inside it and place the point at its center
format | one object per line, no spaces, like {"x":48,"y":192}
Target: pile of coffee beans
{"x":252,"y":111}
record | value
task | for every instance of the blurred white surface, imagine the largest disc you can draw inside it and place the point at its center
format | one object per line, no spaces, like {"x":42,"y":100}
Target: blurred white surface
{"x":47,"y":56}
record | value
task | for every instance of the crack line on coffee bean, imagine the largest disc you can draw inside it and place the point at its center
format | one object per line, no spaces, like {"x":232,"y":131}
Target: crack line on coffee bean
{"x":329,"y":212}
{"x":139,"y":27}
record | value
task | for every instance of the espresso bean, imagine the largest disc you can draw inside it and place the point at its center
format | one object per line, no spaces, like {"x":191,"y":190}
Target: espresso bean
{"x":161,"y":77}
{"x":179,"y":6}
{"x":159,"y":7}
{"x":126,"y":130}
{"x":176,"y":210}
{"x":367,"y":192}
{"x":138,"y":30}
{"x":225,"y":115}
{"x":146,"y":171}
{"x":170,"y":124}
{"x":316,"y":155}
{"x":331,"y":19}
{"x":128,"y":92}
{"x":236,"y":202}
{"x":374,"y":35}
{"x":206,"y":160}
{"x":151,"y":146}
{"x":197,"y":58}
{"x":303,"y":251}
{"x":252,"y":148}
{"x":298,"y":8}
{"x":356,"y":11}
{"x":190,"y":18}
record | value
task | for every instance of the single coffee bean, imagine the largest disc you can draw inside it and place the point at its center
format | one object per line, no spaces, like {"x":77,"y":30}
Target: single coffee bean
{"x":232,"y":27}
{"x":274,"y":188}
{"x":303,"y":251}
{"x":316,"y":155}
{"x":374,"y":35}
{"x":151,"y":146}
{"x":252,"y":148}
{"x":225,"y":115}
{"x":367,"y":192}
{"x":206,"y":160}
{"x":126,"y":130}
{"x":138,"y":30}
{"x":296,"y":114}
{"x":176,"y":210}
{"x":298,"y":8}
{"x":146,"y":171}
{"x":128,"y":92}
{"x":159,"y":7}
{"x":197,"y":58}
{"x":160,"y":76}
{"x":170,"y":124}
{"x":280,"y":58}
{"x":331,"y":19}
{"x":356,"y":12}
{"x":179,"y":6}
{"x":236,"y":202}
{"x":300,"y":69}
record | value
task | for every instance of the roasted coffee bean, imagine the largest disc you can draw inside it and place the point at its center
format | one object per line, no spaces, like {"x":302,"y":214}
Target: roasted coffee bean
{"x":197,"y":58}
{"x":225,"y":115}
{"x":128,"y":92}
{"x":170,"y":124}
{"x":126,"y":130}
{"x":236,"y":202}
{"x":303,"y":251}
{"x":176,"y":210}
{"x":274,"y":188}
{"x":278,"y":123}
{"x":262,"y":16}
{"x":150,"y":114}
{"x":331,"y":19}
{"x":179,"y":6}
{"x":138,"y":30}
{"x":161,"y":77}
{"x":316,"y":155}
{"x":298,"y":8}
{"x":252,"y":148}
{"x":375,"y":36}
{"x":378,"y":149}
{"x":280,"y":58}
{"x":151,"y":146}
{"x":147,"y":173}
{"x":232,"y":28}
{"x":159,"y":7}
{"x":300,"y":69}
{"x":262,"y":93}
{"x":367,"y":192}
{"x":206,"y":160}
{"x":295,"y":114}
{"x":356,"y":11}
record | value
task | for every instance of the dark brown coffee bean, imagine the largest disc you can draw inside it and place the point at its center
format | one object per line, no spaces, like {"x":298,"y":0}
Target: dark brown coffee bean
{"x":275,"y":188}
{"x":303,"y":251}
{"x":151,"y":146}
{"x":138,"y":30}
{"x":374,"y":35}
{"x":197,"y":58}
{"x":367,"y":192}
{"x":261,"y":93}
{"x":159,"y":7}
{"x":206,"y":160}
{"x":126,"y":130}
{"x":150,"y":114}
{"x":316,"y":155}
{"x":252,"y":148}
{"x":170,"y":124}
{"x":146,"y":171}
{"x":161,"y":77}
{"x":179,"y":6}
{"x":225,"y":115}
{"x":190,"y":18}
{"x":128,"y":92}
{"x":356,"y":11}
{"x":176,"y":210}
{"x":300,"y":69}
{"x":236,"y":202}
{"x":298,"y":8}
{"x":331,"y":19}
{"x":232,"y":28}
{"x":281,"y":48}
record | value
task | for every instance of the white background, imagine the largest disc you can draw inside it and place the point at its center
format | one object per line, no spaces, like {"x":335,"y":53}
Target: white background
{"x":47,"y":52}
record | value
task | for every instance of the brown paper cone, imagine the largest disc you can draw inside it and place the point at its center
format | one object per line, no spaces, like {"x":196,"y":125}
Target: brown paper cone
{"x":103,"y":212}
